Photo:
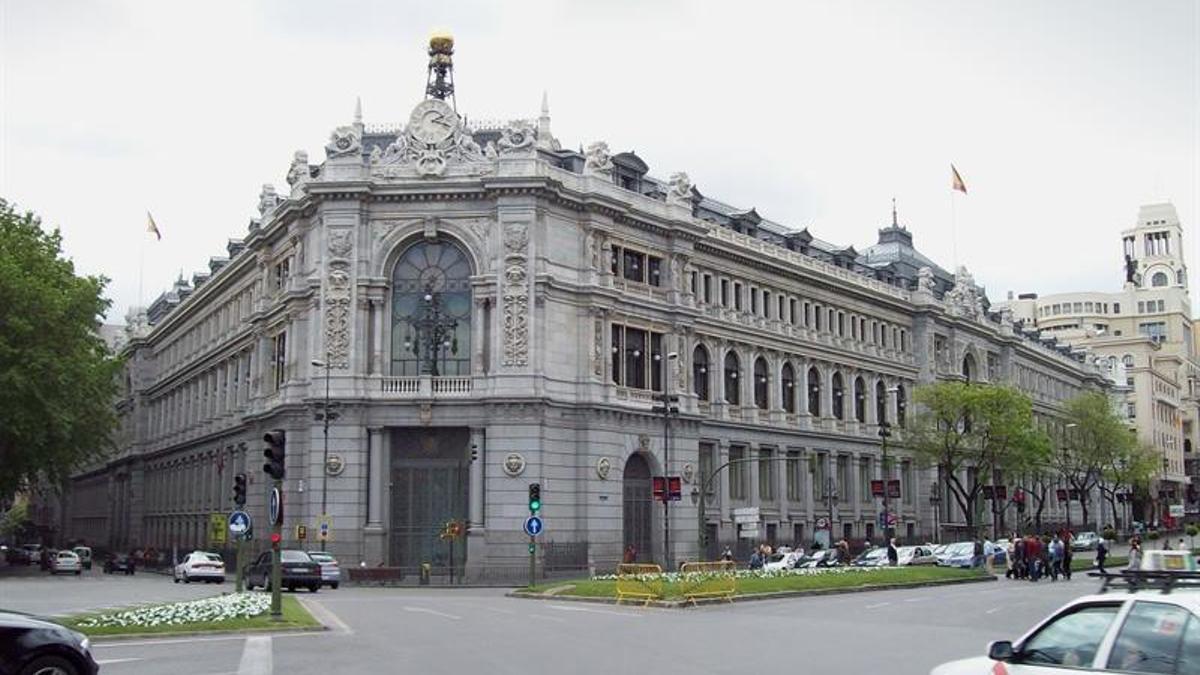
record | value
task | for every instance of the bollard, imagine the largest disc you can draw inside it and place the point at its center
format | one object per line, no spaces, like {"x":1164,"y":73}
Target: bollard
{"x":426,"y":572}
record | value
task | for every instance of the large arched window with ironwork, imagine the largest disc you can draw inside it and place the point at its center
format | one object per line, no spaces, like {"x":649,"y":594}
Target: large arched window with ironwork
{"x":431,"y":310}
{"x":860,"y":400}
{"x":787,"y":387}
{"x":880,"y":403}
{"x":814,"y":392}
{"x":732,"y":394}
{"x":760,"y":383}
{"x":901,"y":405}
{"x":700,"y":372}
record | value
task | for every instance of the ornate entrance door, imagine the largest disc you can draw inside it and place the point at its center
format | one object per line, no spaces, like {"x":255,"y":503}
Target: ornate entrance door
{"x":637,"y":508}
{"x":429,"y":489}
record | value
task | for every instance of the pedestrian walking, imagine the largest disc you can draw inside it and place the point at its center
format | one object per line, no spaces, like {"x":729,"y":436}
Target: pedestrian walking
{"x":1033,"y":557}
{"x":756,"y":560}
{"x":1068,"y":554}
{"x":1056,"y":557}
{"x":727,"y":555}
{"x":1019,"y":567}
{"x":1166,"y":544}
{"x":1010,"y":551}
{"x":1135,"y":554}
{"x":893,"y":554}
{"x":1101,"y":555}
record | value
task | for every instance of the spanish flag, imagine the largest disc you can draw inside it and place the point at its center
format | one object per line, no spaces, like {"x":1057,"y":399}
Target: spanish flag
{"x":957,"y":181}
{"x":151,"y":226}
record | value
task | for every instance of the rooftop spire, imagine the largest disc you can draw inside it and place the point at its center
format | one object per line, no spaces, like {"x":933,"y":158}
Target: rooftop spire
{"x":358,"y":110}
{"x":545,"y":104}
{"x":894,"y":223}
{"x":440,"y":83}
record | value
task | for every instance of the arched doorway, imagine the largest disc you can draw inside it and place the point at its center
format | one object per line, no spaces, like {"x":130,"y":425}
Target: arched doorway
{"x":637,"y":507}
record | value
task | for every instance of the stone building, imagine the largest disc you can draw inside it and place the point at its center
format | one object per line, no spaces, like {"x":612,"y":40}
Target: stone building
{"x":1146,"y":328}
{"x":491,"y":310}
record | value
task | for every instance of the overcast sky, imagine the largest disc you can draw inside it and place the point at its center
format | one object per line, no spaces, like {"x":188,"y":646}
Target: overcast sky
{"x":1063,"y":117}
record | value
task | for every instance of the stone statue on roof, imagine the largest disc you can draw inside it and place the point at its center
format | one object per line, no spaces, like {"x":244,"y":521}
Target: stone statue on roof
{"x":598,"y":161}
{"x":680,"y":191}
{"x":925,"y":280}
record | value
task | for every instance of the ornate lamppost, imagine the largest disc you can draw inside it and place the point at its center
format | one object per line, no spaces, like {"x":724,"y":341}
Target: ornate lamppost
{"x":435,"y":331}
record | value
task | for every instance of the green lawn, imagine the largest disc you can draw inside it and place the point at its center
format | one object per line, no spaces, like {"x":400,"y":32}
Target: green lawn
{"x":1088,"y":562}
{"x":294,"y":616}
{"x":593,"y":588}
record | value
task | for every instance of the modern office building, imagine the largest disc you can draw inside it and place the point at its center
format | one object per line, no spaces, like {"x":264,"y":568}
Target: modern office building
{"x":487,"y":309}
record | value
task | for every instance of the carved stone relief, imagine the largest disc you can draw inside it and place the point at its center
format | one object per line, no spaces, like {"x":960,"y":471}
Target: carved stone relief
{"x":337,"y":302}
{"x":598,"y":348}
{"x":434,"y":143}
{"x":343,"y":142}
{"x":341,"y":243}
{"x":518,"y":138}
{"x":680,"y":191}
{"x":516,"y":295}
{"x":598,"y":160}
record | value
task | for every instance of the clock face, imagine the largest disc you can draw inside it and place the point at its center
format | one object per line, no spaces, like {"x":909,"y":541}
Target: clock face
{"x":432,"y":122}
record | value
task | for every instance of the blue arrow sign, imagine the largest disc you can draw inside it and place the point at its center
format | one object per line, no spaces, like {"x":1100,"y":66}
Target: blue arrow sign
{"x":533,"y":526}
{"x":239,"y":522}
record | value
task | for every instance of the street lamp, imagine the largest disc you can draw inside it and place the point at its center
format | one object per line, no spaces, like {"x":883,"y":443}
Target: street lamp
{"x":1069,"y":425}
{"x":434,"y":330}
{"x":935,"y":500}
{"x":885,"y":432}
{"x":325,"y":415}
{"x":667,"y":409}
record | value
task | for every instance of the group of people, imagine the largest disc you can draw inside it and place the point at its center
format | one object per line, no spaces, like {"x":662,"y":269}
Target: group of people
{"x":1031,"y":558}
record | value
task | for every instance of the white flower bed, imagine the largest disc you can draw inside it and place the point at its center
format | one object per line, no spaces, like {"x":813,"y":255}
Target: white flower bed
{"x":220,"y":608}
{"x":676,"y":577}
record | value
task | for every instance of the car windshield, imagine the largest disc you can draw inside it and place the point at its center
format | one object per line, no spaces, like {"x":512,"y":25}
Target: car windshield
{"x":295,"y":557}
{"x":963,"y":548}
{"x":321,"y":557}
{"x":212,"y":557}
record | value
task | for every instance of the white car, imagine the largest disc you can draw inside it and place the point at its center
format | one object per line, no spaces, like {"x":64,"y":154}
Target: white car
{"x":331,"y":573}
{"x":201,"y":566}
{"x":66,"y":562}
{"x":1142,"y":631}
{"x":916,"y":555}
{"x":783,"y":561}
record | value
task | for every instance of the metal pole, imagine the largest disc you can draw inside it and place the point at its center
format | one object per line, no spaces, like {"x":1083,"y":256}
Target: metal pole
{"x":532,"y":562}
{"x":883,"y":435}
{"x":667,"y":476}
{"x":239,"y":584}
{"x":276,"y":576}
{"x":325,"y":455}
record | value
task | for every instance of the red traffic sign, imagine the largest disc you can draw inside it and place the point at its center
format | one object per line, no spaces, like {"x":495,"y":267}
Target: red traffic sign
{"x":876,"y":488}
{"x":660,"y":488}
{"x":894,"y":488}
{"x":667,"y":488}
{"x":674,"y":488}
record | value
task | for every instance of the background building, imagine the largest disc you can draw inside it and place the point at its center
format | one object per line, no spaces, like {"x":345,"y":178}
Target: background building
{"x":1147,"y":328}
{"x":496,"y":310}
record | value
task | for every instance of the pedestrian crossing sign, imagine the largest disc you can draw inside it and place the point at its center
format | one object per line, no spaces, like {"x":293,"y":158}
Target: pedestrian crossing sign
{"x":324,"y":529}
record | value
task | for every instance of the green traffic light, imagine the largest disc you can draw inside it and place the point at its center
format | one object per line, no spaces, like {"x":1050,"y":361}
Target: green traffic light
{"x":531,"y":548}
{"x":535,"y":506}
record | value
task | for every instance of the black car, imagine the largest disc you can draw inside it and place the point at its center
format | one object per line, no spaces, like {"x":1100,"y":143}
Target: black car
{"x":119,"y":563}
{"x":29,"y":645}
{"x":296,"y":569}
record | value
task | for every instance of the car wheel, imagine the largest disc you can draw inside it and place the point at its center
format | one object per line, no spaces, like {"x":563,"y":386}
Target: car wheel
{"x":334,"y":585}
{"x":291,"y":589}
{"x":187,"y":579}
{"x":50,"y":665}
{"x":176,"y":579}
{"x":314,"y":588}
{"x":221,"y":580}
{"x":78,"y":572}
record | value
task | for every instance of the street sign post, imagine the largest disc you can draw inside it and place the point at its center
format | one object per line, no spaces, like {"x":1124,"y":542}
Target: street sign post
{"x":324,"y":529}
{"x":216,"y":529}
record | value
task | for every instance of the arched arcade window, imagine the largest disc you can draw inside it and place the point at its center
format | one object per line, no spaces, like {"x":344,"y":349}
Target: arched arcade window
{"x":839,"y":395}
{"x":968,"y":367}
{"x":814,"y":392}
{"x":760,"y":383}
{"x":732,"y":367}
{"x":787,"y":388}
{"x":860,"y":400}
{"x":1159,"y":279}
{"x":880,"y":403}
{"x":901,"y":406}
{"x":431,"y":310}
{"x":700,"y":372}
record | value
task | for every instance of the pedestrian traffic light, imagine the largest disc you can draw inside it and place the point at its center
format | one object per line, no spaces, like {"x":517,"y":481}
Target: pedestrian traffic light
{"x":239,"y":489}
{"x":535,"y":497}
{"x":274,"y":452}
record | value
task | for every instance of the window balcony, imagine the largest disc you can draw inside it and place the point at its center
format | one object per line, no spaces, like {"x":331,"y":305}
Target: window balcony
{"x":425,"y":386}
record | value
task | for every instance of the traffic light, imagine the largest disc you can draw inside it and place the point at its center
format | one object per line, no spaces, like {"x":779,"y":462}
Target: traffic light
{"x":274,"y":452}
{"x":239,"y":489}
{"x":535,"y":497}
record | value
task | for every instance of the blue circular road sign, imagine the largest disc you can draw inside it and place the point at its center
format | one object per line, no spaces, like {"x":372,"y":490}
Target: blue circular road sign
{"x":533,"y":526}
{"x":275,"y":510}
{"x":239,"y":522}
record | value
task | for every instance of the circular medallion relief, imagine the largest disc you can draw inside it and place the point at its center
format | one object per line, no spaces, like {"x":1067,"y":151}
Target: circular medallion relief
{"x":689,"y":472}
{"x":335,"y":465}
{"x":603,"y":467}
{"x":514,"y":464}
{"x":432,"y":122}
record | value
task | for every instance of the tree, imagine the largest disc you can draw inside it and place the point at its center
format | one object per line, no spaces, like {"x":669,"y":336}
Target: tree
{"x":1127,"y":470}
{"x":58,"y":381}
{"x":972,"y":432}
{"x":1093,"y":440}
{"x":15,"y":520}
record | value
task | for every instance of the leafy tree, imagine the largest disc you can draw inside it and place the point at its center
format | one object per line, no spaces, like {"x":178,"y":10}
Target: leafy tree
{"x":974,"y":434}
{"x":1127,"y":470}
{"x":15,"y":519}
{"x":58,"y":381}
{"x":1094,"y":440}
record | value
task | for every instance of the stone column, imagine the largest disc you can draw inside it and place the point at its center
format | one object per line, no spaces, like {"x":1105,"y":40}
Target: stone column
{"x":374,"y":534}
{"x":753,"y":498}
{"x":723,"y":482}
{"x":782,"y":466}
{"x":476,"y":532}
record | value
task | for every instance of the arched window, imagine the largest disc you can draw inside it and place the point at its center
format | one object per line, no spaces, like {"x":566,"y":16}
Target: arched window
{"x":431,"y":310}
{"x":901,"y":406}
{"x":880,"y":403}
{"x":814,"y":392}
{"x":700,"y":372}
{"x":1127,"y":360}
{"x":732,"y":394}
{"x":968,"y":367}
{"x":839,"y":395}
{"x":787,"y":387}
{"x":1159,"y":279}
{"x":760,"y":383}
{"x":860,"y":400}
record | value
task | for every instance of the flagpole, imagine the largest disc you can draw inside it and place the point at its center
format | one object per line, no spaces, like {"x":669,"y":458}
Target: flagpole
{"x":954,"y":228}
{"x":141,"y":270}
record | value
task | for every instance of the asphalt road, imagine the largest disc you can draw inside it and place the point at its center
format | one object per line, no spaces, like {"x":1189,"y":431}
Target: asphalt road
{"x":481,"y":631}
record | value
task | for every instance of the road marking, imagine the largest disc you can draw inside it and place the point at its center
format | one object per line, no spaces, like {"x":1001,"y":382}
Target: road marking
{"x":992,"y":610}
{"x":915,"y":599}
{"x":593,"y":610}
{"x":558,"y":619}
{"x":878,"y":605}
{"x":105,"y":662}
{"x":424,"y":610}
{"x":326,"y":617}
{"x":151,"y":643}
{"x":499,"y":611}
{"x":256,"y":657}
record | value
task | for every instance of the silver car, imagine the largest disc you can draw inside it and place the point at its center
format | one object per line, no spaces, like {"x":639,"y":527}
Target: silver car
{"x":331,"y":572}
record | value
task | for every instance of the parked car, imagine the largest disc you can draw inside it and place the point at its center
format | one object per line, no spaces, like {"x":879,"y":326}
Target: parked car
{"x":201,"y":566}
{"x":29,"y":645}
{"x":1085,"y":541}
{"x":876,"y":557}
{"x":916,"y":555}
{"x":331,"y":573}
{"x":15,"y":555}
{"x":119,"y":562}
{"x":85,"y":556}
{"x":824,"y":558}
{"x":961,"y":554}
{"x":1144,"y":631}
{"x":784,"y":561}
{"x":66,"y":562}
{"x":34,"y":551}
{"x":297,"y":569}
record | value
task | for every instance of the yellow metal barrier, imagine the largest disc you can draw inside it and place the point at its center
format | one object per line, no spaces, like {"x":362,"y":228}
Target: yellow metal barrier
{"x":708,"y":580}
{"x":639,"y":581}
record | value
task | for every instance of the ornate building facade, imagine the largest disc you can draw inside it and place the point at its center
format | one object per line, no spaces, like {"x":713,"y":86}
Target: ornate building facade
{"x":492,"y":310}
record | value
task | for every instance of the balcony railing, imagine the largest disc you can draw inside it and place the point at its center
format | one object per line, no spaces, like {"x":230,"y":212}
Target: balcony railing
{"x":425,"y":386}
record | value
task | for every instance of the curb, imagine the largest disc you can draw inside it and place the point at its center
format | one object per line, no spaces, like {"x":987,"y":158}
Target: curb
{"x":778,"y":595}
{"x":205,"y":633}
